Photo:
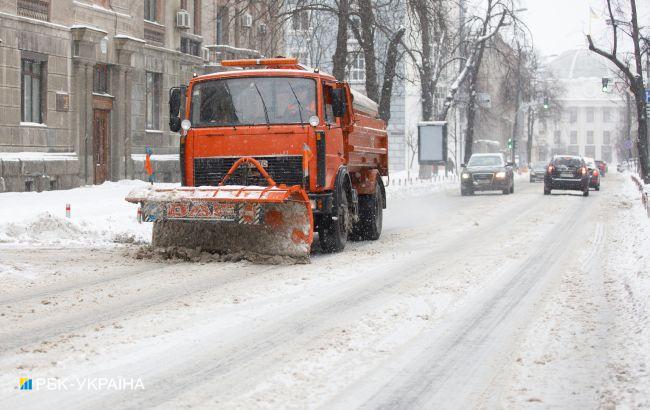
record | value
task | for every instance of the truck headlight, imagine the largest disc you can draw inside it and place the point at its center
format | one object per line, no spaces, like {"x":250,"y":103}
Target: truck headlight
{"x":465,"y":176}
{"x":500,"y":175}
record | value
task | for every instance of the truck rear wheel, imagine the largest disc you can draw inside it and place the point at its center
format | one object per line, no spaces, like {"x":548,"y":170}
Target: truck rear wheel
{"x":370,"y":216}
{"x":333,"y":231}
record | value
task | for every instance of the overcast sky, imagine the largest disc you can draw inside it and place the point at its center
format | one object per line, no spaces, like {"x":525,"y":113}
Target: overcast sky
{"x":559,"y":25}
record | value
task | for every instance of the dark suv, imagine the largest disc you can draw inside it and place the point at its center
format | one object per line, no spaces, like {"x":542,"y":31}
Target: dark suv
{"x":487,"y":172}
{"x":567,"y":172}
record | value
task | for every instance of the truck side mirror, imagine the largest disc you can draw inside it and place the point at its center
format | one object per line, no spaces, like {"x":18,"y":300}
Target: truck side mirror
{"x":175,"y":102}
{"x":338,"y":102}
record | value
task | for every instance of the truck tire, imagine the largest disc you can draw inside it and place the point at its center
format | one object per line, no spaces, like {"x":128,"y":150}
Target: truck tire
{"x":370,"y":216}
{"x":333,"y":231}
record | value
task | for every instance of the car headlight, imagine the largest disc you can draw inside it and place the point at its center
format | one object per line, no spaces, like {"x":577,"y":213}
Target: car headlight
{"x":465,"y":176}
{"x":500,"y":174}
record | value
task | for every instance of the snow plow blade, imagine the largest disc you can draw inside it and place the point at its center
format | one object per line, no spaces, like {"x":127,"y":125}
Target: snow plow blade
{"x":265,"y":220}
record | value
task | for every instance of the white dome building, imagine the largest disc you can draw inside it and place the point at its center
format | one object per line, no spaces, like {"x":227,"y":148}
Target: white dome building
{"x":593,"y":122}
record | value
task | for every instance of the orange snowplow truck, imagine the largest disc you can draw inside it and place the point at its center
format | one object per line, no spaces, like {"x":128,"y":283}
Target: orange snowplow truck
{"x":270,"y":153}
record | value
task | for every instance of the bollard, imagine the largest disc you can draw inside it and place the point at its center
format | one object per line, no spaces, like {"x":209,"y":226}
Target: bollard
{"x":67,"y":210}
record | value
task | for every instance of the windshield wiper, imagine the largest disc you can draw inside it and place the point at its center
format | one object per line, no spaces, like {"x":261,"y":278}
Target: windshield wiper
{"x":232,"y":103}
{"x":302,"y":124}
{"x":266,"y":113}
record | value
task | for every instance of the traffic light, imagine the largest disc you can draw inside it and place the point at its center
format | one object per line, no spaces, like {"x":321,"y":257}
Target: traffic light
{"x":546,"y":103}
{"x":514,"y":144}
{"x":510,"y":143}
{"x":605,"y":85}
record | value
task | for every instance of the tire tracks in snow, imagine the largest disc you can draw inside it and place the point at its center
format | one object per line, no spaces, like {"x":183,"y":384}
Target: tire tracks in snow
{"x":452,"y":366}
{"x":262,"y":347}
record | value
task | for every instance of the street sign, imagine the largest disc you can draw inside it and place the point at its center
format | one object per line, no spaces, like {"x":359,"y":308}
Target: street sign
{"x":484,"y":100}
{"x":647,"y":95}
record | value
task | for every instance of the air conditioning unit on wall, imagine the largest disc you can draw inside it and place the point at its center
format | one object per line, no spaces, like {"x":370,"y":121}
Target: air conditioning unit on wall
{"x":183,"y":19}
{"x":247,"y":20}
{"x":205,"y":53}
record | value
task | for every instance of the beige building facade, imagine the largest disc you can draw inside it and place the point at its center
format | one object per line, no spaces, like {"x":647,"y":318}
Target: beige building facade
{"x":84,"y":85}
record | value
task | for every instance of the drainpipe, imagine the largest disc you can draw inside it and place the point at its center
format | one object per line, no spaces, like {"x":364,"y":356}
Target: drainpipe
{"x":126,"y":128}
{"x":86,"y":124}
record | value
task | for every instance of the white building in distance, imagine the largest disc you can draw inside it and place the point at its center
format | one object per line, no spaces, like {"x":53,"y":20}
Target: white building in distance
{"x":593,"y":123}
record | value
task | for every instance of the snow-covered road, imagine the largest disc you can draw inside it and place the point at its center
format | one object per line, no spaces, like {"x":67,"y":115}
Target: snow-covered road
{"x":485,"y":301}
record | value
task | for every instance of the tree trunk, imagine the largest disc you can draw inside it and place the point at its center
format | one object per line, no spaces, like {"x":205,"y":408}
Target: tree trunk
{"x":367,"y":18}
{"x":531,"y":128}
{"x":642,"y":119}
{"x":389,"y":75}
{"x":340,"y":58}
{"x":471,"y":105}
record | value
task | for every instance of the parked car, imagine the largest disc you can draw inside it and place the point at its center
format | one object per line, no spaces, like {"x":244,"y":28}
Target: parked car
{"x":602,"y":166}
{"x":487,"y":172}
{"x":594,"y":173}
{"x":537,"y":171}
{"x":567,"y":172}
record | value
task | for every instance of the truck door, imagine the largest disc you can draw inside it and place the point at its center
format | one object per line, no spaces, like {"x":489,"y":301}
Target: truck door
{"x":334,"y":148}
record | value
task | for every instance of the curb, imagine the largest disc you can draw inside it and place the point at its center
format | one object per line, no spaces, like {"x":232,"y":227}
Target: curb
{"x":644,"y":193}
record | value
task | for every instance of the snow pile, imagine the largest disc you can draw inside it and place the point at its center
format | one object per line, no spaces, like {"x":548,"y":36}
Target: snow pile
{"x":99,"y":216}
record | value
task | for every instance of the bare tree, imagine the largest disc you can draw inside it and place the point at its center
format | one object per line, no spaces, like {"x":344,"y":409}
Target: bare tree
{"x":631,"y":65}
{"x":494,"y":19}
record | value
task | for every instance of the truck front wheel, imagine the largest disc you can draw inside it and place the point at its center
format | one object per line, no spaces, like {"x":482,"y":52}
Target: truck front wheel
{"x":370,"y":216}
{"x":333,"y":231}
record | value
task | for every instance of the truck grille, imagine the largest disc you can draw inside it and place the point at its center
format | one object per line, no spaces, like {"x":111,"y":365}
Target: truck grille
{"x":283,"y":169}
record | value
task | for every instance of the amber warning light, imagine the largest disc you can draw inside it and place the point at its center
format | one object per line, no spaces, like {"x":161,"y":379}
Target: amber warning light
{"x":260,"y":62}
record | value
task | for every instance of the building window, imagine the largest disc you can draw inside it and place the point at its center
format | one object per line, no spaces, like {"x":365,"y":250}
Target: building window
{"x":606,"y":153}
{"x":151,"y":10}
{"x":189,"y":46}
{"x":573,"y":115}
{"x":36,"y":9}
{"x":196,"y":23}
{"x":590,"y":138}
{"x":33,"y":91}
{"x":573,"y":150}
{"x":607,"y":115}
{"x":153,"y":96}
{"x":574,"y":138}
{"x":607,"y":138}
{"x":355,"y":24}
{"x":590,"y":114}
{"x":100,"y":79}
{"x":590,"y":151}
{"x":222,"y":25}
{"x":557,"y":139}
{"x":357,"y":67}
{"x":300,"y":20}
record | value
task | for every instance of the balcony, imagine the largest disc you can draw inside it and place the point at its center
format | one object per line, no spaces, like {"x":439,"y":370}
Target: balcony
{"x":35,"y":9}
{"x":154,"y":33}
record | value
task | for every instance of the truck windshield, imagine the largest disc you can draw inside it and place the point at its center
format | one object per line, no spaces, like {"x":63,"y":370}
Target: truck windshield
{"x":253,"y":101}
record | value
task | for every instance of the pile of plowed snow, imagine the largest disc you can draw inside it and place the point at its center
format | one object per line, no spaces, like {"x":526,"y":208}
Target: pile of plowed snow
{"x":99,"y":215}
